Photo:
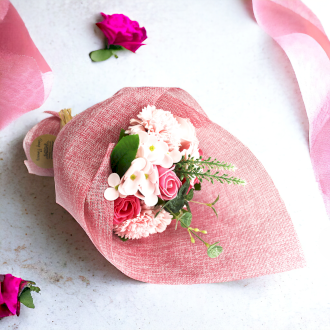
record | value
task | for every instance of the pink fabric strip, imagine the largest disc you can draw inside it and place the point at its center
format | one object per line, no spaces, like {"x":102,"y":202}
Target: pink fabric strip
{"x":299,"y":32}
{"x":25,"y":77}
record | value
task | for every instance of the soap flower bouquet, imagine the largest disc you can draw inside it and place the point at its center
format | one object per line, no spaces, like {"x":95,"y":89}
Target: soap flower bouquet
{"x":157,"y":166}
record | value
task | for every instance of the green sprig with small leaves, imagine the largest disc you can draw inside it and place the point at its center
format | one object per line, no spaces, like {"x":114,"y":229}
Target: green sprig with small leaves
{"x":180,"y":210}
{"x":191,"y":168}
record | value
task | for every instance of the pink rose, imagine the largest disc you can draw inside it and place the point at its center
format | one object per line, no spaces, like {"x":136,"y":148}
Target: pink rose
{"x":126,"y":208}
{"x":169,"y":183}
{"x":120,"y":30}
{"x":11,"y":288}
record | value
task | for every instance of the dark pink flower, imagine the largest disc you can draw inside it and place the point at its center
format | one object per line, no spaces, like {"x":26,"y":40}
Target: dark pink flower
{"x":126,"y":208}
{"x":9,"y":291}
{"x":11,"y":288}
{"x":169,"y":183}
{"x":120,"y":30}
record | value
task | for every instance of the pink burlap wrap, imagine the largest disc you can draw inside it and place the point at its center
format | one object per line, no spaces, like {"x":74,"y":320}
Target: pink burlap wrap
{"x":253,"y":227}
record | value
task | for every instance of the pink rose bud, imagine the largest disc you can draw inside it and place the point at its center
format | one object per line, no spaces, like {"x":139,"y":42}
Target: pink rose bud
{"x":126,"y":208}
{"x":120,"y":30}
{"x":169,"y":183}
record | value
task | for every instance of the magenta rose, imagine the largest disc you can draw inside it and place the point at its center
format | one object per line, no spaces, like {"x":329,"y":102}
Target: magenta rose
{"x":120,"y":30}
{"x":12,"y":290}
{"x":126,"y":208}
{"x":169,"y":183}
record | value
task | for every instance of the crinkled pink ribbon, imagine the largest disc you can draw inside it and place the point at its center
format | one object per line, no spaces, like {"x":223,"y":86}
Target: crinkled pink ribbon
{"x":25,"y":77}
{"x":299,"y":32}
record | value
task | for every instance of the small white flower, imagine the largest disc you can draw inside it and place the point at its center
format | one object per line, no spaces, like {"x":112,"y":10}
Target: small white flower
{"x":112,"y":193}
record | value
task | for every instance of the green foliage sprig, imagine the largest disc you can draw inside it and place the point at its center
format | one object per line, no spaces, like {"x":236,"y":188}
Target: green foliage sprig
{"x":184,"y":216}
{"x":191,"y":168}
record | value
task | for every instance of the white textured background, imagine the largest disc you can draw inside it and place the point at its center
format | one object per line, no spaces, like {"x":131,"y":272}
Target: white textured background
{"x":214,"y":50}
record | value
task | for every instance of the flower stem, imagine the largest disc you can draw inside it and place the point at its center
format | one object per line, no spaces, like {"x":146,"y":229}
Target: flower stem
{"x":199,"y":203}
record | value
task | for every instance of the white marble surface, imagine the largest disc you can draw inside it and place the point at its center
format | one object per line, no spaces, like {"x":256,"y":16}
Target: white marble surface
{"x":243,"y":80}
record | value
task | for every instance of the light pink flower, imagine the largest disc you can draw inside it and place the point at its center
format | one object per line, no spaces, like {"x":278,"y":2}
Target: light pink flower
{"x":169,"y":183}
{"x":141,"y":180}
{"x":126,"y":208}
{"x":149,"y":188}
{"x":133,"y":177}
{"x":157,"y":152}
{"x":144,"y":225}
{"x":112,"y":193}
{"x":158,"y":123}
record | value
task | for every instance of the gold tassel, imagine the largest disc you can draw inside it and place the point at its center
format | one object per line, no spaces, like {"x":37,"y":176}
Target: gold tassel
{"x":65,"y":116}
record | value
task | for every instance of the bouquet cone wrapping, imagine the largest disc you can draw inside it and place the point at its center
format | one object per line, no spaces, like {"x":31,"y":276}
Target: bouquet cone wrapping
{"x":253,"y":227}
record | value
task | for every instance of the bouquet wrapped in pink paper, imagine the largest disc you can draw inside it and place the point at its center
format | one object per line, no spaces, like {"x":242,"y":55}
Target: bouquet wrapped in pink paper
{"x":144,"y":174}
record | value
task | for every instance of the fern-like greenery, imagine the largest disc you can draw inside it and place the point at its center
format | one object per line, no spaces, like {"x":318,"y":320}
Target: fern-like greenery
{"x":191,"y":168}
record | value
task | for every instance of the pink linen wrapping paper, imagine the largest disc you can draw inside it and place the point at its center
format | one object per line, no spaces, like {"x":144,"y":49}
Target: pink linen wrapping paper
{"x":299,"y":32}
{"x":254,"y":227}
{"x":25,"y":77}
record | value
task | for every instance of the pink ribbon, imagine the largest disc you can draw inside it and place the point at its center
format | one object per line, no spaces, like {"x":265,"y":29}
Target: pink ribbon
{"x":25,"y":77}
{"x":299,"y":32}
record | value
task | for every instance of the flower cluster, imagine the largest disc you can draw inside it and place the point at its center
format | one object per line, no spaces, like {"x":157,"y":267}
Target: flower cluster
{"x":156,"y":167}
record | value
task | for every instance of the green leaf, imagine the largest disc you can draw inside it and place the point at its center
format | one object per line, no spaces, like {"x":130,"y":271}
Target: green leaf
{"x":214,"y":250}
{"x":175,"y":205}
{"x":216,"y":200}
{"x":26,"y":299}
{"x":122,"y":134}
{"x":215,"y":211}
{"x":35,"y":288}
{"x":186,"y":220}
{"x":100,"y":55}
{"x":187,"y":205}
{"x":197,"y":186}
{"x":123,"y":239}
{"x":124,"y":153}
{"x":190,"y":195}
{"x":184,"y":189}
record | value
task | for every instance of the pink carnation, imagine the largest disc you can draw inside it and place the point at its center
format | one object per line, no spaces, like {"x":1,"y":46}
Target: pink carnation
{"x":158,"y":123}
{"x":144,"y":224}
